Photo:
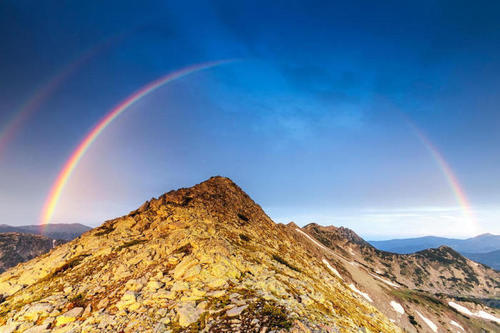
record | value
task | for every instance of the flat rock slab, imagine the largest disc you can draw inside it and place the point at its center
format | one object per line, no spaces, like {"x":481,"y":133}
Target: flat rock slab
{"x":236,"y":311}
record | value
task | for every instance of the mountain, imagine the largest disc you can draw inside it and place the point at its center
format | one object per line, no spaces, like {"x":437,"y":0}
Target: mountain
{"x":208,"y":258}
{"x":440,"y":270}
{"x":479,"y":244}
{"x":491,"y":259}
{"x":64,"y":231}
{"x":16,"y":248}
{"x":431,"y":290}
{"x":202,"y":258}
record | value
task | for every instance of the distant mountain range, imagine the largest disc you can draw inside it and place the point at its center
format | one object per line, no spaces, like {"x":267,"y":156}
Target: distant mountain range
{"x":484,"y":248}
{"x":55,"y":231}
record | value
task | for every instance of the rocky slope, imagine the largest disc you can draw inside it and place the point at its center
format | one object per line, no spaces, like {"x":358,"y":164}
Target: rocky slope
{"x":440,"y":270}
{"x":16,"y":248}
{"x":408,"y":288}
{"x":206,"y":258}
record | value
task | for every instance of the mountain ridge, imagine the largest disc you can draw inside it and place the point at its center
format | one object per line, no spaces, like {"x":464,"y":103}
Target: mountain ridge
{"x":205,"y":258}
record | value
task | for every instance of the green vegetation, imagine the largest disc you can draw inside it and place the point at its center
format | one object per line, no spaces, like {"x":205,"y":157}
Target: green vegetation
{"x":284,"y":262}
{"x":277,"y":316}
{"x":70,"y":264}
{"x":129,"y":244}
{"x":220,"y":302}
{"x":412,"y":320}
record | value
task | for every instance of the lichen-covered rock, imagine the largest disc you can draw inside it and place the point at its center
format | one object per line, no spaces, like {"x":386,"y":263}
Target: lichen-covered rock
{"x":69,"y":316}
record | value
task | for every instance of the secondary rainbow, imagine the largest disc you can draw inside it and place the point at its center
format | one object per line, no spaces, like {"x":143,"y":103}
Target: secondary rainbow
{"x":72,"y":162}
{"x":452,"y":180}
{"x":9,"y":130}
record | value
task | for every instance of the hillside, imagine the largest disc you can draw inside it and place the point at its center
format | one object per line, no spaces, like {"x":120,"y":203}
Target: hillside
{"x":409,"y":287}
{"x":65,"y":231}
{"x":16,"y":248}
{"x":204,"y":258}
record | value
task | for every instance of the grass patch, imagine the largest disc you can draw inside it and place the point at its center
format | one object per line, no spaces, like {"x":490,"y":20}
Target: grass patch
{"x":70,"y":264}
{"x":277,"y":316}
{"x":284,"y":262}
{"x":129,"y":244}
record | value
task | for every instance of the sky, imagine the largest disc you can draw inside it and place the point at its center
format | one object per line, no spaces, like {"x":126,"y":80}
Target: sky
{"x":339,"y":113}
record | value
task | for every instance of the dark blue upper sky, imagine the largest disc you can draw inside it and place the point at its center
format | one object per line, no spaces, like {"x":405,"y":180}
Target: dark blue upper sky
{"x":312,"y":121}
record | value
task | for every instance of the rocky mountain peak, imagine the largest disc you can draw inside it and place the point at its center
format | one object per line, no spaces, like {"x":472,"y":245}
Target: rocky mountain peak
{"x":218,"y":198}
{"x":204,"y":258}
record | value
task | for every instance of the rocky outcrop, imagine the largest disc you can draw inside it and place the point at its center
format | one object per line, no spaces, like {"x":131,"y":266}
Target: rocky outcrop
{"x":205,"y":258}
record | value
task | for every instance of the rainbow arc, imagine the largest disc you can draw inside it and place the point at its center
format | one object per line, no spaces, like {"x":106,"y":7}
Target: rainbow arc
{"x":72,"y":162}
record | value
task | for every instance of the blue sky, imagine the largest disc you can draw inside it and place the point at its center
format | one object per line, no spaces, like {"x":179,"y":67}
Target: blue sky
{"x":310,"y":121}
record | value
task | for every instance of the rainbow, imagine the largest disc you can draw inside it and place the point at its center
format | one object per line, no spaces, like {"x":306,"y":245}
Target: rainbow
{"x":72,"y":162}
{"x":41,"y":95}
{"x":452,"y":180}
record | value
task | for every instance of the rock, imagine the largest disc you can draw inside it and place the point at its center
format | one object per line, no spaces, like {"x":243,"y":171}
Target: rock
{"x":183,"y":266}
{"x":69,"y":316}
{"x":180,"y":286}
{"x":37,"y":310}
{"x":216,"y":293}
{"x":236,"y":311}
{"x":154,"y":285}
{"x":38,"y":329}
{"x":187,"y":313}
{"x":134,"y":285}
{"x":9,"y":328}
{"x":129,"y":296}
{"x":103,"y":303}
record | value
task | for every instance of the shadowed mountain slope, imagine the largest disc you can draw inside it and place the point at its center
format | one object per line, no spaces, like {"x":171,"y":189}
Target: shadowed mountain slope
{"x":16,"y":248}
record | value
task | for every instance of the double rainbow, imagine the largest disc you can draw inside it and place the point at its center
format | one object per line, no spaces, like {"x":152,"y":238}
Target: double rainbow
{"x":9,"y":130}
{"x":76,"y":156}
